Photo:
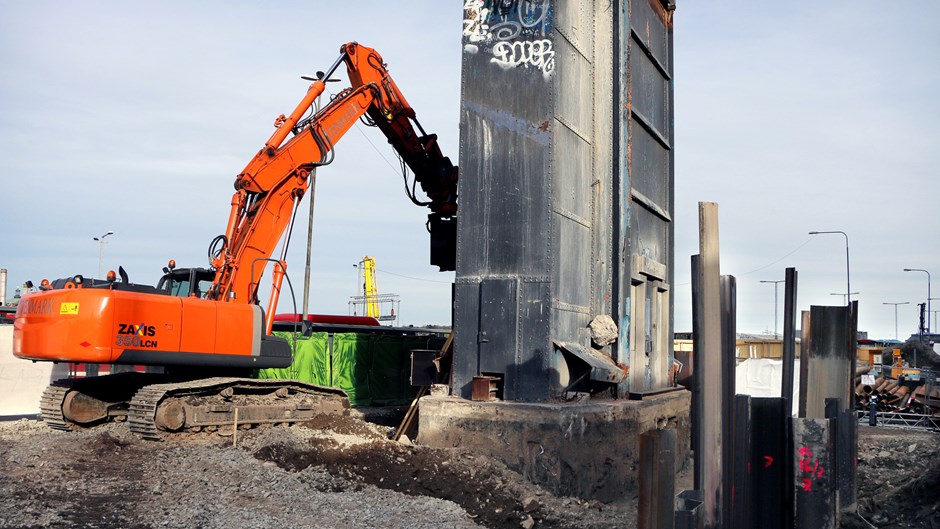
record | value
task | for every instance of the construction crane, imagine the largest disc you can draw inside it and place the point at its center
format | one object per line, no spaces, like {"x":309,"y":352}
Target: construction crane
{"x":369,"y":288}
{"x":371,"y":301}
{"x":198,"y":322}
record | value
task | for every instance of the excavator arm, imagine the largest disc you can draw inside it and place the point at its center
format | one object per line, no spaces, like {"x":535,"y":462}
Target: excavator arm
{"x":272,"y":184}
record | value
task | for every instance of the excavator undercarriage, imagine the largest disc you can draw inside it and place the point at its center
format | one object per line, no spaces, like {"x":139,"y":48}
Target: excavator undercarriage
{"x":156,"y":406}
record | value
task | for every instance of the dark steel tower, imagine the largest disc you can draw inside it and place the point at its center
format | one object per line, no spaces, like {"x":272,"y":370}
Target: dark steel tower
{"x":566,"y":196}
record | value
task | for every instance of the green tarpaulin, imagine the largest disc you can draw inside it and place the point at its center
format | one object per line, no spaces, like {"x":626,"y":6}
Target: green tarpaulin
{"x":372,"y":369}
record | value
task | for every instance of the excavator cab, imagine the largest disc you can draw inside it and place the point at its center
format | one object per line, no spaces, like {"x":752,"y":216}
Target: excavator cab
{"x":186,"y":282}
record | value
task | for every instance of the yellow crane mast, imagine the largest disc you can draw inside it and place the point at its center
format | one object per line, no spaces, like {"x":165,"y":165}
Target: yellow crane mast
{"x":369,"y":288}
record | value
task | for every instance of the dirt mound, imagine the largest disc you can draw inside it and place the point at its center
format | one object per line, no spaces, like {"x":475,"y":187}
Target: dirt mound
{"x":492,"y":494}
{"x":345,"y":425}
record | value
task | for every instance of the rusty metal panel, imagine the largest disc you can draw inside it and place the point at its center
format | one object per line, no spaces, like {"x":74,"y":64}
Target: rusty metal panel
{"x":829,"y":358}
{"x":657,"y":480}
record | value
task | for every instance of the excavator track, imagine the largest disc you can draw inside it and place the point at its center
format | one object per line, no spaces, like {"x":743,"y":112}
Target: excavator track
{"x":78,"y":403}
{"x":159,"y":410}
{"x":50,"y":405}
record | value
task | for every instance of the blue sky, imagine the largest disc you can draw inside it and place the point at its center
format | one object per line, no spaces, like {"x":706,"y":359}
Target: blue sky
{"x":135,"y":117}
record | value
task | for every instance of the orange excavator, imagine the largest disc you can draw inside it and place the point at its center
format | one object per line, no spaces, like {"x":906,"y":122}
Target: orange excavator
{"x":204,"y":329}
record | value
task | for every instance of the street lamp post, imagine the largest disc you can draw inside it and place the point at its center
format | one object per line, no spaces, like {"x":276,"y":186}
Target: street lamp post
{"x":844,"y":295}
{"x":775,"y":302}
{"x":848,"y":282}
{"x":928,"y":292}
{"x":896,"y":315}
{"x":101,"y":253}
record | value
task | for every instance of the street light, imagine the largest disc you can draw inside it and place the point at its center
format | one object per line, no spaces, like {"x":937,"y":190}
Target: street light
{"x":101,"y":253}
{"x":844,"y":295}
{"x":928,"y":292}
{"x":896,"y":315}
{"x":848,"y":283}
{"x":775,"y":302}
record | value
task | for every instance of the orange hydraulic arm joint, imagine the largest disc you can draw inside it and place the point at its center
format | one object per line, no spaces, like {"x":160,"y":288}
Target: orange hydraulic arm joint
{"x":270,"y":187}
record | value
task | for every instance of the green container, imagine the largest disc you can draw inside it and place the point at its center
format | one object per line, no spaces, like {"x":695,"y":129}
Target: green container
{"x":372,"y":369}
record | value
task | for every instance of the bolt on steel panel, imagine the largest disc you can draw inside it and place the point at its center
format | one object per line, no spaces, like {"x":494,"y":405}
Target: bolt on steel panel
{"x":545,"y":181}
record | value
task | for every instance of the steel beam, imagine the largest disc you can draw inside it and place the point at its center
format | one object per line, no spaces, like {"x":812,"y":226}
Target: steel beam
{"x":805,"y":341}
{"x":741,"y":500}
{"x":657,"y":480}
{"x":789,"y":333}
{"x":709,"y":353}
{"x":814,"y":502}
{"x":689,"y":510}
{"x":770,"y":467}
{"x":845,"y":442}
{"x":828,"y":359}
{"x":696,"y":411}
{"x":728,"y":363}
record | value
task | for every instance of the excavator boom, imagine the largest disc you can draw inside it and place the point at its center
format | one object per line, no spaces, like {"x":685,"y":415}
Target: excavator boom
{"x":271,"y":185}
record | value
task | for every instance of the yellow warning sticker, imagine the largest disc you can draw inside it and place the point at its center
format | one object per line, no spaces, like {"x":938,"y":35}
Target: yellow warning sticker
{"x":68,"y":308}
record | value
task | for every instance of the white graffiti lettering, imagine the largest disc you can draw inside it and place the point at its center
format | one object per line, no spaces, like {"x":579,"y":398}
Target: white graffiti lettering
{"x":474,"y":26}
{"x":535,"y":53}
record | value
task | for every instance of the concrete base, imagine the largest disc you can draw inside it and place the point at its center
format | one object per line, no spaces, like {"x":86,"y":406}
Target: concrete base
{"x":587,"y":450}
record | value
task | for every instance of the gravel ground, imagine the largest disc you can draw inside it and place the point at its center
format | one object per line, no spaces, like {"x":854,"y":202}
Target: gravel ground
{"x":337,"y":474}
{"x":344,"y":473}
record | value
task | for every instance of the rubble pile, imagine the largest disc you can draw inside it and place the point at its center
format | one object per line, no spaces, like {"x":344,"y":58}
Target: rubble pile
{"x":899,"y":477}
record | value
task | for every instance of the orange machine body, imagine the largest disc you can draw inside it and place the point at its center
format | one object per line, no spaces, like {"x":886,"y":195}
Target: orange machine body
{"x":111,"y":326}
{"x":123,"y":323}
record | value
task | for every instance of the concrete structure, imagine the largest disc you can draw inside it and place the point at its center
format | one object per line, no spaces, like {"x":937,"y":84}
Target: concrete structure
{"x":564,"y":250}
{"x":586,"y":451}
{"x":21,"y":382}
